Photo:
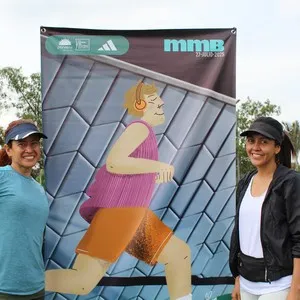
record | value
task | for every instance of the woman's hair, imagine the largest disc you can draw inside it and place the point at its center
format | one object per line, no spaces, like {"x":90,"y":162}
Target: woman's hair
{"x":287,"y":150}
{"x":4,"y":158}
{"x":131,"y":97}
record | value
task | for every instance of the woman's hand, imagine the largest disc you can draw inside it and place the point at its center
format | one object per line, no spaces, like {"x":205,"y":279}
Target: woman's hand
{"x":165,"y":173}
{"x":236,"y":293}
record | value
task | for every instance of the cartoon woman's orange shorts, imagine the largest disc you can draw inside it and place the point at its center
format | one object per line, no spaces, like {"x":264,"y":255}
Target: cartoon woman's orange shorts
{"x":136,"y":230}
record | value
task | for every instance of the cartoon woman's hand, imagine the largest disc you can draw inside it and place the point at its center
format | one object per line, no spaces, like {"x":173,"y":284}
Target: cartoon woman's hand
{"x":165,"y":174}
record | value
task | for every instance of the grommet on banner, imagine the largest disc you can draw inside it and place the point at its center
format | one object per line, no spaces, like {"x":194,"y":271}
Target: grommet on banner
{"x":233,"y":30}
{"x":43,"y":30}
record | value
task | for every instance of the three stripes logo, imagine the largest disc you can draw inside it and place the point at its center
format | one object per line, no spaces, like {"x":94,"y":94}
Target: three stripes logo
{"x":108,"y":46}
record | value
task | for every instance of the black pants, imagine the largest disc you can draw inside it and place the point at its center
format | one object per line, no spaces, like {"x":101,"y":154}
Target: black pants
{"x":37,"y":296}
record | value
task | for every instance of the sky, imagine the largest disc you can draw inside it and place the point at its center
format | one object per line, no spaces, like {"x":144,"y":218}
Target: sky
{"x":268,"y":62}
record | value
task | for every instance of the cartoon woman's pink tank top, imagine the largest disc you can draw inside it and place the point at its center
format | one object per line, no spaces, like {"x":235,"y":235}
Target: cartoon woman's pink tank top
{"x":113,"y":190}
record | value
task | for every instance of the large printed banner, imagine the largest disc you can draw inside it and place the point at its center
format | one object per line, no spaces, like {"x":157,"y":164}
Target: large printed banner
{"x":140,"y":162}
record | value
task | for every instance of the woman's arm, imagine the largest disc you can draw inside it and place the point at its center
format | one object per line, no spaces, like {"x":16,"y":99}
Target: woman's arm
{"x":292,"y":197}
{"x":118,"y":160}
{"x":293,"y":218}
{"x":294,"y":293}
{"x":236,"y":293}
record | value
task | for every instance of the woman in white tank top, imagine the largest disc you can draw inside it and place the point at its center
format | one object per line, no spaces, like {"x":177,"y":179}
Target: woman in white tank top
{"x":265,"y":245}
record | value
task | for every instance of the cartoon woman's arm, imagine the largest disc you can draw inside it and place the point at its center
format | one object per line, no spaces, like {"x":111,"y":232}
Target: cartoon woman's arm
{"x":119,"y":162}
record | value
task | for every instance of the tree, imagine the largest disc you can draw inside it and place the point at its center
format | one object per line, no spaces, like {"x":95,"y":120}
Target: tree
{"x":22,"y":93}
{"x":1,"y":136}
{"x":247,"y":112}
{"x":293,"y":130}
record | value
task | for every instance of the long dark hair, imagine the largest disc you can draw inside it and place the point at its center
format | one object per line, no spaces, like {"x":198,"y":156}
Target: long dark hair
{"x":287,"y":151}
{"x":4,"y":158}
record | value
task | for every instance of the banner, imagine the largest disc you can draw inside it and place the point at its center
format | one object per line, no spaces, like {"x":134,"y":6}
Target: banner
{"x":139,"y":161}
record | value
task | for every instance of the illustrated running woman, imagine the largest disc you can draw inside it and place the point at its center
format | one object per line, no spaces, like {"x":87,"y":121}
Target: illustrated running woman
{"x":118,"y":208}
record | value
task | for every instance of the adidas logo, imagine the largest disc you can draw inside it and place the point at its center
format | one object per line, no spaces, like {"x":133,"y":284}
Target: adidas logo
{"x":108,"y":46}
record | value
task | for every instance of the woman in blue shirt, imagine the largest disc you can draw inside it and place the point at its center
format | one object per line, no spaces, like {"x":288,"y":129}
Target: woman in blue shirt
{"x":23,"y":214}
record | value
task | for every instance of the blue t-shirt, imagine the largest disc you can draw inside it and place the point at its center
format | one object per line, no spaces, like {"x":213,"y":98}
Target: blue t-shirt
{"x":24,"y":211}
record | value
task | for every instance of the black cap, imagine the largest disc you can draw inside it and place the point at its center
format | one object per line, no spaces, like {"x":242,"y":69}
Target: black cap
{"x":267,"y":127}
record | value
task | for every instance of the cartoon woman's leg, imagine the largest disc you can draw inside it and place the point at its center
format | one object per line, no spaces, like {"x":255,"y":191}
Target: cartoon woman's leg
{"x":176,"y":257}
{"x":105,"y":240}
{"x":154,"y":242}
{"x":81,"y":279}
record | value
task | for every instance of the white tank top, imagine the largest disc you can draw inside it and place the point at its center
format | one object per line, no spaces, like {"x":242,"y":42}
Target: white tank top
{"x":250,"y":243}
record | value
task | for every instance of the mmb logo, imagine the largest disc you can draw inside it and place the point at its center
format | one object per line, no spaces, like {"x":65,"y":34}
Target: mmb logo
{"x":193,"y":45}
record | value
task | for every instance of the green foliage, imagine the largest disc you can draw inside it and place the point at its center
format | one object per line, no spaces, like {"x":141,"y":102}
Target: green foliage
{"x":22,"y":93}
{"x":1,"y":136}
{"x":247,"y":112}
